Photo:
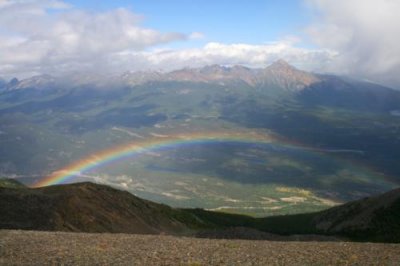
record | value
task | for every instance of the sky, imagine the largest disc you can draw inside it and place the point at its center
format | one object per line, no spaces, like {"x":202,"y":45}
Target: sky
{"x":358,"y":38}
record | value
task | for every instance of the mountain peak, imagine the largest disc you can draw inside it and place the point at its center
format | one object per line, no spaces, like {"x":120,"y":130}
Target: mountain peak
{"x":38,"y":82}
{"x":281,"y":64}
{"x":13,"y":82}
{"x":287,"y":76}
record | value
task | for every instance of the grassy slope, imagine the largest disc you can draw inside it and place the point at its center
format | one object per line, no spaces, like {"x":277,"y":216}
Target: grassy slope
{"x":88,"y":207}
{"x":84,"y":207}
{"x":10,"y":183}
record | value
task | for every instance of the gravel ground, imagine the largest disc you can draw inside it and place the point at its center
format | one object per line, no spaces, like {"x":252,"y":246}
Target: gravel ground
{"x":56,"y":248}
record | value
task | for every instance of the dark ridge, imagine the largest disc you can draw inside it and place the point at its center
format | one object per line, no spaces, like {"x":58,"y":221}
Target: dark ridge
{"x":88,"y":207}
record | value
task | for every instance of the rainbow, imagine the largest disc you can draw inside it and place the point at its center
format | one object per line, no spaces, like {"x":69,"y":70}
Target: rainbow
{"x":153,"y":144}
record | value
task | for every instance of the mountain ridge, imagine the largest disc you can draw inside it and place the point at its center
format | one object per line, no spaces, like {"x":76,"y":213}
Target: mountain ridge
{"x":83,"y":207}
{"x":279,"y":73}
{"x":89,"y":207}
{"x":287,"y":76}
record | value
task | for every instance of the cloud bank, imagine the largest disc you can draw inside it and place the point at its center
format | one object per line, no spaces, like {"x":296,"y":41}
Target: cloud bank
{"x":224,"y":54}
{"x":50,"y":36}
{"x":364,"y":33}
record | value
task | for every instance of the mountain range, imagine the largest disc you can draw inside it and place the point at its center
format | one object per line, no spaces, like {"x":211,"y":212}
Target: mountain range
{"x":331,"y":139}
{"x":280,"y":73}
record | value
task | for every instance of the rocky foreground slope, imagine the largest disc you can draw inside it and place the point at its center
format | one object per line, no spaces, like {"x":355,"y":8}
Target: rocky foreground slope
{"x":57,"y":248}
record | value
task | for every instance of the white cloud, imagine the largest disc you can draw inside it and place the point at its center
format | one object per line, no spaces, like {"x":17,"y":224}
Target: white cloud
{"x":34,"y":40}
{"x":365,"y":34}
{"x":226,"y":54}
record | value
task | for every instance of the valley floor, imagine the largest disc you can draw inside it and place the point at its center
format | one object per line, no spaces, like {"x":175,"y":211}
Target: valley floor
{"x":56,"y":248}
